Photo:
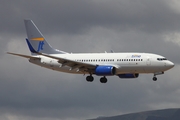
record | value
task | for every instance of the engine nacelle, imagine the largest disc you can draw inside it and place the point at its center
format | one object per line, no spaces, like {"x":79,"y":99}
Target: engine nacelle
{"x":129,"y":75}
{"x":105,"y":70}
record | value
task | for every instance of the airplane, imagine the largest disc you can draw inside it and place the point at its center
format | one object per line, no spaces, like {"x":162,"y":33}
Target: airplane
{"x":124,"y":65}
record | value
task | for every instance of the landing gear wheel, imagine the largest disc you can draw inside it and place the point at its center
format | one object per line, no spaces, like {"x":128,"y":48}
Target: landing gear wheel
{"x":154,"y":78}
{"x":103,"y":80}
{"x":90,"y":78}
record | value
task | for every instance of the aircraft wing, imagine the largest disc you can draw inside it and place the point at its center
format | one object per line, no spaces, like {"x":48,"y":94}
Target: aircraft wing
{"x":21,"y":55}
{"x":73,"y":64}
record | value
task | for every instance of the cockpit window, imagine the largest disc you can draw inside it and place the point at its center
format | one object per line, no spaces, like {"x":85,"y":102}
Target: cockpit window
{"x":161,"y":59}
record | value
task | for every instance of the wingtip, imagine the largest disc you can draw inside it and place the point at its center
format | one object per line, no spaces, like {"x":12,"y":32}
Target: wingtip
{"x":21,"y":55}
{"x":8,"y":53}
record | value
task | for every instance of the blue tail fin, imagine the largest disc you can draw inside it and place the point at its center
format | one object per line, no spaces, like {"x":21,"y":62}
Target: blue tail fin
{"x":36,"y":41}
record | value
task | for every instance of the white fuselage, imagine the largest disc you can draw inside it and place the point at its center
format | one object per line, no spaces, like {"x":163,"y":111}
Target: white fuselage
{"x":124,"y":65}
{"x":124,"y":62}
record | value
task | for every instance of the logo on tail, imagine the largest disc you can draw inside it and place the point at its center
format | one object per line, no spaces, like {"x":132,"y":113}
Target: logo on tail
{"x":41,"y":43}
{"x":40,"y":46}
{"x":38,"y":39}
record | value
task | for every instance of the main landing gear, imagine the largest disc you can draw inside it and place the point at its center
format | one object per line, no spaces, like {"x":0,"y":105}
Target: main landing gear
{"x":91,"y":78}
{"x":159,"y":73}
{"x":103,"y":80}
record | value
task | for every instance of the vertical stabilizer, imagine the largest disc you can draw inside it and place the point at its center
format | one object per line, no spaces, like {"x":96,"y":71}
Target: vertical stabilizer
{"x":36,"y":41}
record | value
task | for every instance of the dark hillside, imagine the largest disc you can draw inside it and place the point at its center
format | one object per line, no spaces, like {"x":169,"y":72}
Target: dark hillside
{"x":166,"y":114}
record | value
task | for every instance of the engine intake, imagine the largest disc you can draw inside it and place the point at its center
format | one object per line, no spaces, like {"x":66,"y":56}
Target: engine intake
{"x":136,"y":75}
{"x":105,"y":70}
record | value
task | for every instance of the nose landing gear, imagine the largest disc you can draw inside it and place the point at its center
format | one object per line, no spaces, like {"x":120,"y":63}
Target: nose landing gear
{"x":159,"y":73}
{"x":154,"y":78}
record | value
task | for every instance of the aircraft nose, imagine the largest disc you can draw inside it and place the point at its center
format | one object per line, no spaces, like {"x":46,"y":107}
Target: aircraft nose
{"x":170,"y":64}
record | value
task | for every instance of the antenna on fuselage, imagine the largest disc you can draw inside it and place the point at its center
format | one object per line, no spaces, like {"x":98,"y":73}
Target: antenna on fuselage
{"x":112,"y":51}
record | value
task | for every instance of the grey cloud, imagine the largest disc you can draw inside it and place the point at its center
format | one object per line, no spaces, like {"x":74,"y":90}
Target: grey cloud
{"x":79,"y":16}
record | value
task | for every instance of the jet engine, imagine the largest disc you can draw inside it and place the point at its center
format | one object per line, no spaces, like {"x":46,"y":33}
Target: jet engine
{"x":105,"y":70}
{"x":136,"y":75}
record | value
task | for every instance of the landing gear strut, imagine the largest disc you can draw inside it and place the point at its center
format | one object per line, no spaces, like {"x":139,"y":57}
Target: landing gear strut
{"x":90,"y":78}
{"x":158,"y":73}
{"x":103,"y":80}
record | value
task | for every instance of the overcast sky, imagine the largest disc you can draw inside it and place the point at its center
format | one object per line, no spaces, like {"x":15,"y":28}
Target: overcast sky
{"x":29,"y":92}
